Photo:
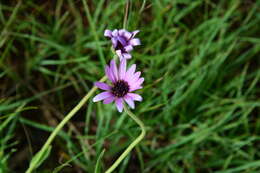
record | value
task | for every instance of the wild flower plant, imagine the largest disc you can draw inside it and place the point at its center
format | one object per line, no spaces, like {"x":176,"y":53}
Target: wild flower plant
{"x":123,"y":82}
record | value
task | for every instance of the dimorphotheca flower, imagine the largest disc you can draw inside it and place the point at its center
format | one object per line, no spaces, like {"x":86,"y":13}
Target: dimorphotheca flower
{"x":123,"y":41}
{"x":124,"y":82}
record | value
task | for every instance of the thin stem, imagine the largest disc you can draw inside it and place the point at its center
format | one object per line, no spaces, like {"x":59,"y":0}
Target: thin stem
{"x":133,"y":144}
{"x":60,"y":126}
{"x":126,"y":13}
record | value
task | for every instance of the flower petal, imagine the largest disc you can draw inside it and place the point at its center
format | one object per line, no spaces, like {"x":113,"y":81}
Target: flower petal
{"x":109,"y":74}
{"x":122,"y":40}
{"x":121,"y":32}
{"x":140,"y":81}
{"x":109,"y":100}
{"x":136,"y":76}
{"x":135,"y":88}
{"x":114,"y":42}
{"x":128,"y":48}
{"x":115,"y":33}
{"x":119,"y":104}
{"x":114,"y":70}
{"x":108,"y":33}
{"x":136,"y":97}
{"x":102,"y":85}
{"x":129,"y":100}
{"x":135,"y":42}
{"x":128,"y":35}
{"x":119,"y":54}
{"x":130,"y":72}
{"x":135,"y":32}
{"x":133,"y":79}
{"x":122,"y":69}
{"x":102,"y":96}
{"x":136,"y":85}
{"x":127,"y":56}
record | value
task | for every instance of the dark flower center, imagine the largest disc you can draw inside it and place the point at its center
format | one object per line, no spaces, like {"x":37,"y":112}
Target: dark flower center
{"x":120,"y":46}
{"x":120,"y":88}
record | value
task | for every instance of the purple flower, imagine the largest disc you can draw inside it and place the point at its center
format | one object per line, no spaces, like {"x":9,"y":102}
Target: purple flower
{"x":124,"y":82}
{"x":123,"y":41}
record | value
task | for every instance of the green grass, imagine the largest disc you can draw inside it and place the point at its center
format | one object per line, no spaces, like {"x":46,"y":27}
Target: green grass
{"x":200,"y":61}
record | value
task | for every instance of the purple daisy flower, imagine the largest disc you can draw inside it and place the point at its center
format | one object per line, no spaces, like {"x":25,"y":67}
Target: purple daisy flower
{"x":124,"y":82}
{"x":123,"y":41}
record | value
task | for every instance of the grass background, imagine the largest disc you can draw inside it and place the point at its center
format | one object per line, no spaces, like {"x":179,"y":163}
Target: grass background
{"x":200,"y":60}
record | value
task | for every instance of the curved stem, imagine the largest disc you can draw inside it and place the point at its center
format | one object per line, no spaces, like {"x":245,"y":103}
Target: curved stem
{"x":36,"y":161}
{"x":133,"y":144}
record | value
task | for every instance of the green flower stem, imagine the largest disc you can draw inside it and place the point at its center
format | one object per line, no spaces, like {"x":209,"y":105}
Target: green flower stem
{"x":35,"y":162}
{"x":126,"y":14}
{"x":133,"y":144}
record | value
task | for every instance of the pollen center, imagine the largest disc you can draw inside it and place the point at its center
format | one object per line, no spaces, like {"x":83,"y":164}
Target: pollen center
{"x":120,"y":88}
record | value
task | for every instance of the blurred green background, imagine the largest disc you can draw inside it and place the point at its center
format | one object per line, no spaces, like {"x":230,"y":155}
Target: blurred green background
{"x":201,"y":64}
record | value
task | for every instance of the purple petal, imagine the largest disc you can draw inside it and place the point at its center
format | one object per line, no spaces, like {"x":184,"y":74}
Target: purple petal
{"x":121,"y":32}
{"x":135,"y":88}
{"x":122,"y":69}
{"x":140,"y":81}
{"x":134,"y":78}
{"x":114,"y":41}
{"x":119,"y":104}
{"x":128,"y":48}
{"x":114,"y":70}
{"x":122,"y":40}
{"x":102,"y":85}
{"x":136,"y":85}
{"x":127,"y":56}
{"x":135,"y":32}
{"x":109,"y":100}
{"x":115,"y":33}
{"x":119,"y":53}
{"x":128,"y":35}
{"x":130,"y":72}
{"x":135,"y":96}
{"x":109,"y":74}
{"x":129,"y":101}
{"x":108,"y":33}
{"x":102,"y":96}
{"x":135,"y":42}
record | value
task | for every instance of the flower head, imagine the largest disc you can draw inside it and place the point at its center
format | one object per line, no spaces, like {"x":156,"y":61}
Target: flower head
{"x":123,"y":41}
{"x":124,"y":82}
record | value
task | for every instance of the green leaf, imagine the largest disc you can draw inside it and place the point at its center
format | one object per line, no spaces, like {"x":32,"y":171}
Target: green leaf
{"x":40,"y":157}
